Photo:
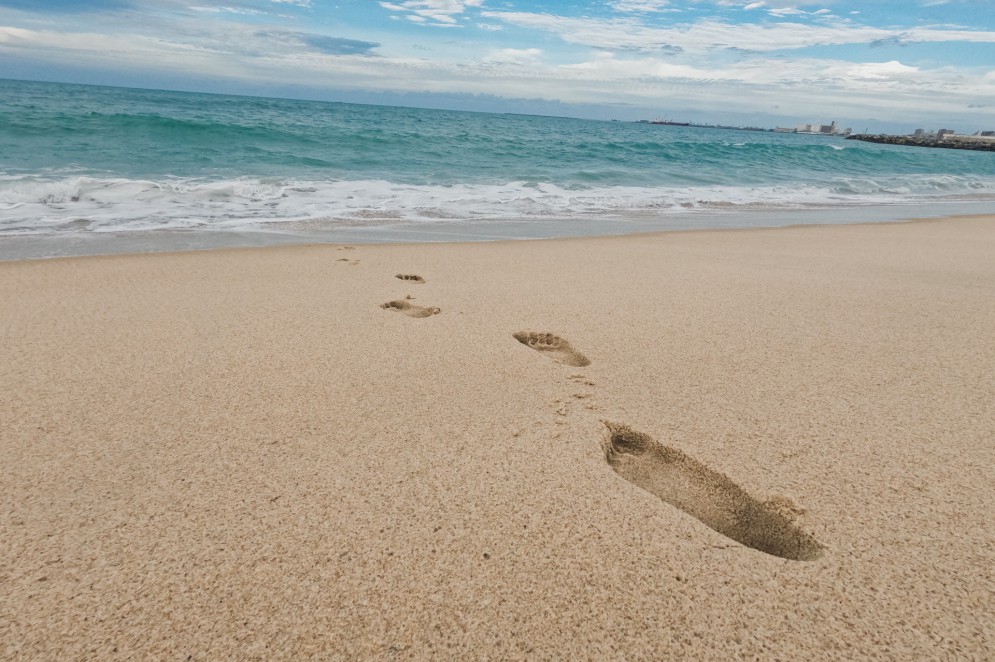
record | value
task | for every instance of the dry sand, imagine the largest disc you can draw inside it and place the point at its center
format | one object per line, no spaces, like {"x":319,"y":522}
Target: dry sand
{"x":242,"y":454}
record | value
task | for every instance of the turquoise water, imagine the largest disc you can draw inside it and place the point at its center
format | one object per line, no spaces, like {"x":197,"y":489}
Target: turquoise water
{"x":78,"y":160}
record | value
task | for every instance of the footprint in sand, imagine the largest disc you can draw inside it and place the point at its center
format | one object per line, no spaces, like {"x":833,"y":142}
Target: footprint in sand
{"x":555,"y":347}
{"x":410,"y":310}
{"x":411,"y":278}
{"x":708,"y":495}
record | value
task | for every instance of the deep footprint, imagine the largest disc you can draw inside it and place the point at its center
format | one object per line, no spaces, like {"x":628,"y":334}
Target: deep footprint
{"x":708,"y":495}
{"x":410,"y":277}
{"x":410,"y":310}
{"x":555,"y":347}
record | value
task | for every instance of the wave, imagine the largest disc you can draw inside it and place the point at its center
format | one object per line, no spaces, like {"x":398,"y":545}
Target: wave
{"x":43,"y":205}
{"x":191,"y":137}
{"x":177,"y":128}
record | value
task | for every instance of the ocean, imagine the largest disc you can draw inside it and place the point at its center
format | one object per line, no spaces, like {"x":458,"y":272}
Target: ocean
{"x":87,"y":169}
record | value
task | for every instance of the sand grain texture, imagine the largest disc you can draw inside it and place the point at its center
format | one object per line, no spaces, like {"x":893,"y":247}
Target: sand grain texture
{"x":240,"y":455}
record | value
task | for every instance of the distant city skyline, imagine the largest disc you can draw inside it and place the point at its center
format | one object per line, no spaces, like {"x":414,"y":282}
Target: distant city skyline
{"x":885,"y":66}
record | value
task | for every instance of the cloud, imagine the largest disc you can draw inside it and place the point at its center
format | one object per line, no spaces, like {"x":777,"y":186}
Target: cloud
{"x":712,"y":34}
{"x":630,"y":62}
{"x":877,"y":71}
{"x":802,"y":87}
{"x":242,"y":11}
{"x":894,"y":40}
{"x":321,"y":43}
{"x":640,"y":6}
{"x":120,"y":52}
{"x":65,"y":6}
{"x":815,"y":74}
{"x":121,"y":8}
{"x":338,"y":45}
{"x":441,"y":13}
{"x":514,"y":55}
{"x":773,"y":4}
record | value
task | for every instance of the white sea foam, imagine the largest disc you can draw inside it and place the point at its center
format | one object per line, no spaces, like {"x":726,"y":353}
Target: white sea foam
{"x":39,"y":205}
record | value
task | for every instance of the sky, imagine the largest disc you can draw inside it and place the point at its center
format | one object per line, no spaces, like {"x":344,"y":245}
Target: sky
{"x":888,"y":65}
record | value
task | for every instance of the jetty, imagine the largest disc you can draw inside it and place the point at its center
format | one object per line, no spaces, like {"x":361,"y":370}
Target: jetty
{"x":947,"y":141}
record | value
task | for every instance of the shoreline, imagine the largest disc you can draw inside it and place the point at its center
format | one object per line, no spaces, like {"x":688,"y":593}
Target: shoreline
{"x":43,"y":247}
{"x":772,"y":442}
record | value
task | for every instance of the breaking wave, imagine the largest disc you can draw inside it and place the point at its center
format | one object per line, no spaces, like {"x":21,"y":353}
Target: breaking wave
{"x":40,"y":205}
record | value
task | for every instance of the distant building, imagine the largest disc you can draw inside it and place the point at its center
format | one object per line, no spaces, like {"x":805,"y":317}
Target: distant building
{"x":944,"y":132}
{"x":987,"y":133}
{"x":919,"y":133}
{"x":819,"y":129}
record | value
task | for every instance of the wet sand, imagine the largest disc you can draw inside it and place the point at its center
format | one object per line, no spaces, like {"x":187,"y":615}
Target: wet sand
{"x":762,"y":443}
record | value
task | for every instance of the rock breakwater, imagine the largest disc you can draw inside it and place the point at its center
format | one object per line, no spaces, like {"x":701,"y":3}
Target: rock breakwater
{"x":947,"y":142}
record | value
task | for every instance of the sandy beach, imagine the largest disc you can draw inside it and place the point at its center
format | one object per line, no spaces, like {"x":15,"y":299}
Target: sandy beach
{"x":762,"y":444}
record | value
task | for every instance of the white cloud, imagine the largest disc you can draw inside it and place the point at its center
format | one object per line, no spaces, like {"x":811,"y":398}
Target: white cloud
{"x":228,"y":10}
{"x":514,"y":55}
{"x":133,"y":51}
{"x":774,"y":4}
{"x":706,"y":35}
{"x":803,"y":87}
{"x":441,"y":13}
{"x":640,"y":6}
{"x":818,"y":74}
{"x":626,"y":67}
{"x":876,"y":71}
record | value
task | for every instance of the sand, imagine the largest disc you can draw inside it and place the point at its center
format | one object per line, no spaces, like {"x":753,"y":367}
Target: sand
{"x":244,"y":454}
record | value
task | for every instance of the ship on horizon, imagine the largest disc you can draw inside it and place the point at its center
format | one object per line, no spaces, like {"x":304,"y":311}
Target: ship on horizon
{"x":664,"y":122}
